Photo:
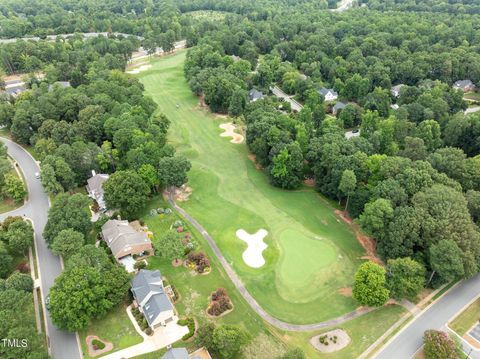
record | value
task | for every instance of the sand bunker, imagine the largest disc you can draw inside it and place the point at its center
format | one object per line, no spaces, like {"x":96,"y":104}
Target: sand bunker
{"x":253,"y":254}
{"x":229,"y":132}
{"x":331,"y":341}
{"x":139,"y":69}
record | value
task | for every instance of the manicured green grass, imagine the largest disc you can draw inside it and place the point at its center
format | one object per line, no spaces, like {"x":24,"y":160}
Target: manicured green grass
{"x":363,"y":331}
{"x":311,"y":253}
{"x":194,"y":290}
{"x":208,"y":14}
{"x":467,"y":318}
{"x":115,"y":327}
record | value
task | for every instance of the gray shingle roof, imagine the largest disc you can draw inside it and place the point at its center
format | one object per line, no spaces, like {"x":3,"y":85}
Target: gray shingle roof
{"x":463,"y":84}
{"x":176,"y":353}
{"x":95,"y":188}
{"x":147,"y":288}
{"x":15,"y":89}
{"x":324,"y":91}
{"x":254,"y":95}
{"x":119,"y":235}
{"x":339,"y":105}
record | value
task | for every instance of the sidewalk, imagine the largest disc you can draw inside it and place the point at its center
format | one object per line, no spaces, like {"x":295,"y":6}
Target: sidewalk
{"x":413,"y":311}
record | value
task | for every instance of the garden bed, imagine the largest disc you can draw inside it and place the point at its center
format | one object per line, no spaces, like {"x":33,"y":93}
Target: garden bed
{"x":331,"y":341}
{"x":96,"y":346}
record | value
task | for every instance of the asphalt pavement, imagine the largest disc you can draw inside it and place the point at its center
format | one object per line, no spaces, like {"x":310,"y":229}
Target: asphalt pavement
{"x":63,"y":345}
{"x":407,"y":342}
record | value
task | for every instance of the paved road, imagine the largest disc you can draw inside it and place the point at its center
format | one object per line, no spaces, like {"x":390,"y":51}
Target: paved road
{"x":86,"y":35}
{"x":141,"y":53}
{"x":283,"y":96}
{"x":409,"y":340}
{"x":63,"y":345}
{"x":248,"y":297}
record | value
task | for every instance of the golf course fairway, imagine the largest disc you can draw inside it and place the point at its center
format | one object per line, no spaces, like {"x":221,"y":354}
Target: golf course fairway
{"x":311,"y":254}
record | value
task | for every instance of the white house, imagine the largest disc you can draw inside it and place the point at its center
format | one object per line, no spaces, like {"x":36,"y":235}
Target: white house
{"x":395,"y":90}
{"x":153,"y":302}
{"x":328,"y":94}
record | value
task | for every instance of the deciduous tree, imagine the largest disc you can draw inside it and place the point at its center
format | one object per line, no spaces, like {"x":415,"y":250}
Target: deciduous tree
{"x":369,"y":286}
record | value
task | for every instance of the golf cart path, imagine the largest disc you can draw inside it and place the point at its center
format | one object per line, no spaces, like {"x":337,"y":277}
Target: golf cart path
{"x":279,"y":324}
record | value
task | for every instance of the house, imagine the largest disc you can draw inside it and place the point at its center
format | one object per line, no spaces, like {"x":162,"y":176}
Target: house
{"x":395,"y":90}
{"x":235,"y":58}
{"x":328,"y":94}
{"x":61,"y":84}
{"x":176,"y":353}
{"x":124,"y":240}
{"x":255,"y":95}
{"x":15,"y":89}
{"x":464,"y":85}
{"x":181,"y":353}
{"x":394,"y":106}
{"x":153,"y":302}
{"x":95,"y":188}
{"x":338,"y":106}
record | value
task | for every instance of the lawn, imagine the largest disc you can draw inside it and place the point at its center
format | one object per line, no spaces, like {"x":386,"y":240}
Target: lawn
{"x":311,"y":254}
{"x":471,"y":315}
{"x":472,"y":96}
{"x":208,"y":14}
{"x":115,"y":327}
{"x":363,"y":331}
{"x":194,"y":290}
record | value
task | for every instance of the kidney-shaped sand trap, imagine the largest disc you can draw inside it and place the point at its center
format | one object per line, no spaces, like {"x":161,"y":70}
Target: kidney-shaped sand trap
{"x":253,"y":254}
{"x":230,"y":132}
{"x":139,"y":69}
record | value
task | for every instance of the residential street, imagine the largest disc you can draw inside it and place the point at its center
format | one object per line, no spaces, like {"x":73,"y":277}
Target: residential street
{"x":63,"y":345}
{"x":408,"y":341}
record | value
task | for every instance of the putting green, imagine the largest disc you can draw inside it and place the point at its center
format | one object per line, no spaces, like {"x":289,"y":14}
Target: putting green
{"x":303,"y":261}
{"x":311,"y":254}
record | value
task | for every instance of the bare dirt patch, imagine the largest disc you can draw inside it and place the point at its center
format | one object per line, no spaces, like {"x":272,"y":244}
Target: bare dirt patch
{"x":474,"y":343}
{"x":309,"y":182}
{"x":229,"y":129}
{"x":252,"y":158}
{"x":177,"y":262}
{"x":365,"y":241}
{"x":182,"y":193}
{"x":337,"y":339}
{"x":345,"y":291}
{"x":96,"y":352}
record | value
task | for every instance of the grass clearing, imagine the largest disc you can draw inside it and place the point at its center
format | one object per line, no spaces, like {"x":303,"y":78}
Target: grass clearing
{"x":194,"y":290}
{"x":471,"y":315}
{"x":208,"y":14}
{"x":472,"y":96}
{"x":115,"y":327}
{"x":309,"y":248}
{"x":363,"y":331}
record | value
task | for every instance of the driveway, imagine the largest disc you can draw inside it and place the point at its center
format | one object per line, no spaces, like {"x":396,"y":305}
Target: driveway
{"x":62,"y":345}
{"x":405,"y":344}
{"x":161,"y":338}
{"x":283,"y":96}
